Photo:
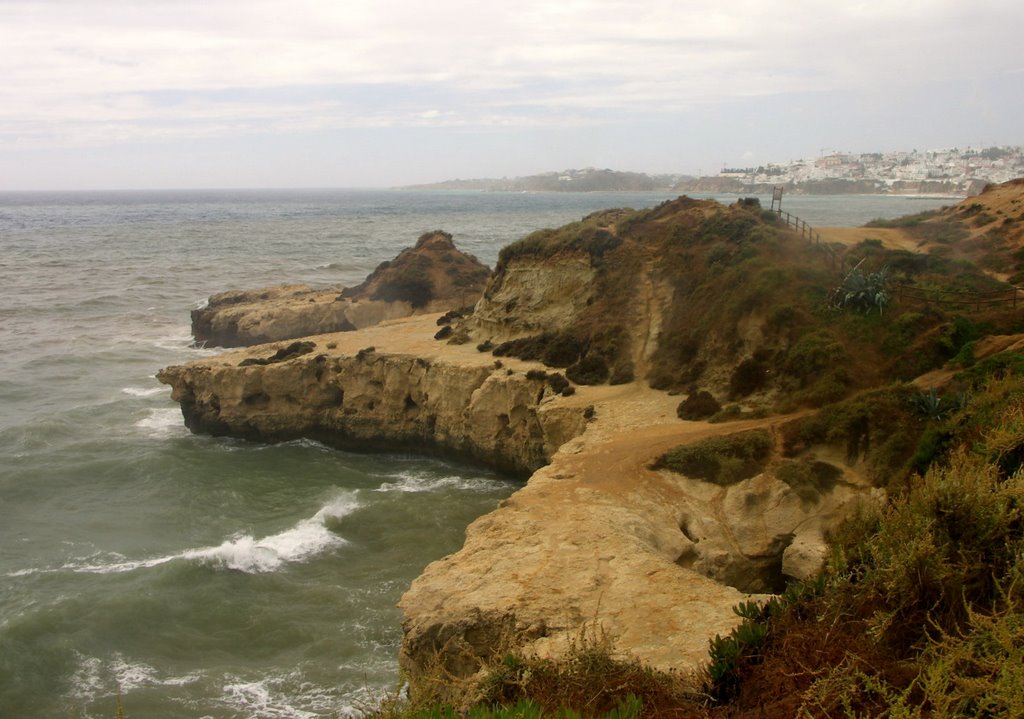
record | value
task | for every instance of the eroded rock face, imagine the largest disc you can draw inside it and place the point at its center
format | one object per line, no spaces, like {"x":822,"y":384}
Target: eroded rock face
{"x":599,"y":542}
{"x":534,"y":295}
{"x":375,"y":399}
{"x":430,"y":278}
{"x":243,"y":318}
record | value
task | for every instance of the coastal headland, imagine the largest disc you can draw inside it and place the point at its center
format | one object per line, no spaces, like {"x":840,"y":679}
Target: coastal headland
{"x":693,"y":391}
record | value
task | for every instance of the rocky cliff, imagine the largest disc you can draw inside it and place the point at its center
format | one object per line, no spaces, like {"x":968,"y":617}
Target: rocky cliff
{"x":388,"y":387}
{"x":630,"y":304}
{"x":431,"y":277}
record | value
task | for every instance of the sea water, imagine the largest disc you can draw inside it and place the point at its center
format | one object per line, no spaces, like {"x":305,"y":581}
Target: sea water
{"x":203,"y":577}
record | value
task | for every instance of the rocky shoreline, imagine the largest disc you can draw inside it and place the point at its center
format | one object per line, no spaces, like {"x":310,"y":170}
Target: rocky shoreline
{"x":597,"y":539}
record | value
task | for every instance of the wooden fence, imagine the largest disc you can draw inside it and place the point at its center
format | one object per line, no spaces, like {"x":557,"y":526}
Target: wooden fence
{"x":800,"y":226}
{"x":945,"y":298}
{"x":954,"y":298}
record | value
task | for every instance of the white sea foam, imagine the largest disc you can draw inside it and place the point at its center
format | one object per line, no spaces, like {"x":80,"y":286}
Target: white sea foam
{"x":135,"y":675}
{"x":289,"y":696}
{"x":241,"y":552}
{"x":143,"y":391}
{"x":425,"y":482}
{"x":306,"y":539}
{"x":95,"y":678}
{"x":162,"y":421}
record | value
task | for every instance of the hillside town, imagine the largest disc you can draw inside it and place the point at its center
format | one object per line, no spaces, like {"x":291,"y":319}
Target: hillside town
{"x":952,"y":169}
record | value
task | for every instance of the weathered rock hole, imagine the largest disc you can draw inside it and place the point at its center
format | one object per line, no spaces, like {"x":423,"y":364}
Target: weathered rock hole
{"x":410,"y":403}
{"x":684,"y":527}
{"x":761,"y":574}
{"x":256,"y":400}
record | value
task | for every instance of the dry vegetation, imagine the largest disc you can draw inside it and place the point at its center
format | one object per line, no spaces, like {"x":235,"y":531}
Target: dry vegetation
{"x":433,"y":269}
{"x":920,"y":611}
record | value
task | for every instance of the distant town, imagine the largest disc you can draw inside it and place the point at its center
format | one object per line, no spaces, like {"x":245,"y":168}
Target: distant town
{"x":951,"y":171}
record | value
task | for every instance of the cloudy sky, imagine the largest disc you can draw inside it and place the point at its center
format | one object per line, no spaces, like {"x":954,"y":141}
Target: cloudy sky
{"x":368,"y":93}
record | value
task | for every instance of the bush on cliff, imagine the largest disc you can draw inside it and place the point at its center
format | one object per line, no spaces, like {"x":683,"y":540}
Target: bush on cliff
{"x":409,"y":283}
{"x":721,"y":460}
{"x":699,"y":405}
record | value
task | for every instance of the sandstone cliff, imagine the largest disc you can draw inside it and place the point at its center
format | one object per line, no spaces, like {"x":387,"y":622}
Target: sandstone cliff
{"x":389,"y":387}
{"x":688,"y":294}
{"x":432,"y":277}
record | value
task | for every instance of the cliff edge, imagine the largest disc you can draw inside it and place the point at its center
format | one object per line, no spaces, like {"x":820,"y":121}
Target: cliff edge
{"x":433,"y":276}
{"x":697,"y":394}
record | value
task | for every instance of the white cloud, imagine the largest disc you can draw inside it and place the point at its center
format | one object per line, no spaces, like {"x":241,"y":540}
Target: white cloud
{"x":97,"y":71}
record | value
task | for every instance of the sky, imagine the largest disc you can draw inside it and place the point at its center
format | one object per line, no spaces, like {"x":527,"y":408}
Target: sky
{"x":105,"y":94}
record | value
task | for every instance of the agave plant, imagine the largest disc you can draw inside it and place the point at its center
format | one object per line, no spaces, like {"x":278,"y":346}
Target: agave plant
{"x":863,"y":291}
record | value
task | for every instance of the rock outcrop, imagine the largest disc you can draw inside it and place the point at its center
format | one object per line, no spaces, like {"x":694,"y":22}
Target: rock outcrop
{"x":434,"y":276}
{"x":596,"y":539}
{"x":387,"y":387}
{"x":599,"y":541}
{"x":688,"y":292}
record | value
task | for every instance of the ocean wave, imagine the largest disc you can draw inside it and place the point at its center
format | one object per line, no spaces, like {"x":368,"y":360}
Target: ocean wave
{"x":427,"y":482}
{"x":241,"y":552}
{"x":94,"y":678}
{"x":291,"y":696}
{"x":143,"y":391}
{"x":161,"y":421}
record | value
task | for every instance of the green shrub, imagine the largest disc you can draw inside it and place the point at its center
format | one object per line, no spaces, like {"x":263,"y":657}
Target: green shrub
{"x":406,"y":285}
{"x":698,"y":405}
{"x":592,"y":369}
{"x":812,"y":354}
{"x":809,"y":478}
{"x":721,"y":460}
{"x":562,"y":351}
{"x":748,"y":376}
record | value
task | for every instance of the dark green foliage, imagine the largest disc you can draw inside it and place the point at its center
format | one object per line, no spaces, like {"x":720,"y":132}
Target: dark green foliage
{"x":559,"y":384}
{"x":444,"y":333}
{"x":961,"y":331}
{"x":562,"y":351}
{"x":525,"y":348}
{"x":742,"y":646}
{"x":931,"y":405}
{"x":722,"y":460}
{"x":450,"y":316}
{"x":732,"y":225}
{"x":407,"y":284}
{"x":905,"y":221}
{"x":295,"y":349}
{"x":592,"y":369}
{"x":812,"y":354}
{"x":934,"y":443}
{"x":749,"y":376}
{"x":809,"y":478}
{"x":577,"y":237}
{"x":997,"y":366}
{"x":553,"y":349}
{"x":863,"y":291}
{"x":876,"y":427}
{"x":485,"y":346}
{"x":590,"y":682}
{"x":698,"y":405}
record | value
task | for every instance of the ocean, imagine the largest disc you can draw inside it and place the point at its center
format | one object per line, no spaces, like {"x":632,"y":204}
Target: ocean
{"x":200,"y":577}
